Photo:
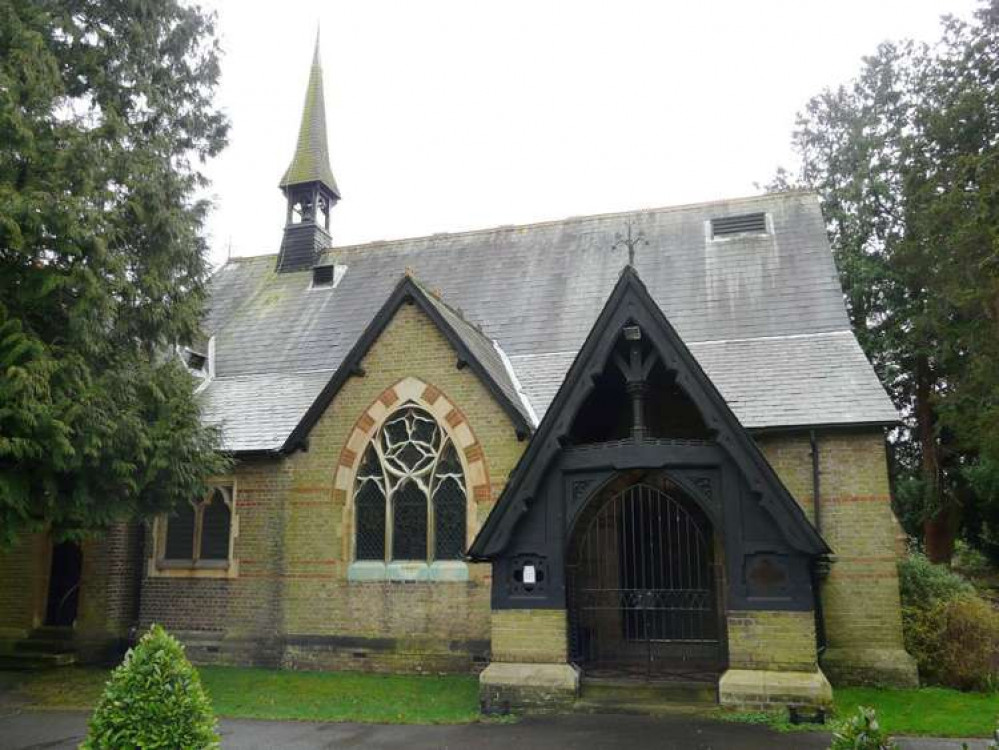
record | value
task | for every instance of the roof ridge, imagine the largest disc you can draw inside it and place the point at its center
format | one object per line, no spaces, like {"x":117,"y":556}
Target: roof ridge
{"x":584,"y":218}
{"x":361,"y":246}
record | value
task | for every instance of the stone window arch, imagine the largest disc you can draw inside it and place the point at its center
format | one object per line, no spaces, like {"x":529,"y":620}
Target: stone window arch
{"x":413,"y":468}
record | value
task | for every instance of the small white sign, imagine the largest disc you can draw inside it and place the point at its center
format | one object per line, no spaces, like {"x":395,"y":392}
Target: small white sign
{"x":529,"y":574}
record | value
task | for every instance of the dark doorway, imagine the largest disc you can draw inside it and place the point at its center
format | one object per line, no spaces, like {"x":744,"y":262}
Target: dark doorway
{"x":642,"y":588}
{"x":64,"y":584}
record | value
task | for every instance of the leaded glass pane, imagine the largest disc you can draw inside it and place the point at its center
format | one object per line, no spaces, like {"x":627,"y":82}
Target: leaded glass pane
{"x":449,"y":464}
{"x":408,"y":460}
{"x":215,"y":523}
{"x":180,"y":534}
{"x":449,"y":520}
{"x":409,"y":522}
{"x":369,"y":504}
{"x":370,"y":465}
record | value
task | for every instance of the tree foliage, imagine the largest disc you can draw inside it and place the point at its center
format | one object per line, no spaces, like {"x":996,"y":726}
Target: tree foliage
{"x":905,"y":160}
{"x":106,"y":118}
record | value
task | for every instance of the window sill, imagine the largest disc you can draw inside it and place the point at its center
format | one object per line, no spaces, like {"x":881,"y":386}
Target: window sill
{"x":191,"y":569}
{"x":441,"y":571}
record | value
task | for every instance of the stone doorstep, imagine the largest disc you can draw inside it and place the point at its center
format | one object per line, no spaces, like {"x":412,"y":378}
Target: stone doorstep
{"x":562,"y":677}
{"x":758,"y":688}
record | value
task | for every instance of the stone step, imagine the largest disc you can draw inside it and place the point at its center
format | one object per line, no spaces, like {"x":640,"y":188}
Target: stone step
{"x":622,"y":692}
{"x":21,"y":660}
{"x":52,"y":633}
{"x":671,"y":708}
{"x":43,"y":646}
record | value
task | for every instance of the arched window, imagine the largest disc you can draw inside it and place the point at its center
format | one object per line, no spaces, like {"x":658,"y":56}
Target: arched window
{"x":409,"y":494}
{"x":199,"y":534}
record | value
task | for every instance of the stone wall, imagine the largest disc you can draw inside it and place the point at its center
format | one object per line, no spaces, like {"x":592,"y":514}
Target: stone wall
{"x":860,"y":599}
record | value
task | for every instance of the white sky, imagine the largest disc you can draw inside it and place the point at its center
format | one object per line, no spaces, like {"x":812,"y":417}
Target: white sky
{"x":450,"y":115}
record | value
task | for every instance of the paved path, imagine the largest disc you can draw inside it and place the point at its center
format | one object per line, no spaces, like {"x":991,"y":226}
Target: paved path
{"x":62,"y":730}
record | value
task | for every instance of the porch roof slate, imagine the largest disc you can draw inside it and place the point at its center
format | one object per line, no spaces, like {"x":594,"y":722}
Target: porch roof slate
{"x":764,"y":314}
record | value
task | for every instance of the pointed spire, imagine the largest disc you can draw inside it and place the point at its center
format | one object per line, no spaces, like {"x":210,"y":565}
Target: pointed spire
{"x":311,"y":162}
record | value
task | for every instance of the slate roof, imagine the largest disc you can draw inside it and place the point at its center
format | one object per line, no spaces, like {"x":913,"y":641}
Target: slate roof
{"x":311,"y":162}
{"x":763,"y":313}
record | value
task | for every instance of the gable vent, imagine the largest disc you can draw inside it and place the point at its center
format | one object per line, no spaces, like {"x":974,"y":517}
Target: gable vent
{"x":726,"y":226}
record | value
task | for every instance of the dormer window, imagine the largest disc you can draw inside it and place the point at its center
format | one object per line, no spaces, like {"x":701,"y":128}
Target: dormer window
{"x":200,"y":362}
{"x":738,"y":224}
{"x":195,"y":361}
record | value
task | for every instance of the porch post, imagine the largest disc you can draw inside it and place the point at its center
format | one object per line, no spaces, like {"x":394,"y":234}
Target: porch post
{"x":772,"y":661}
{"x":530,"y":667}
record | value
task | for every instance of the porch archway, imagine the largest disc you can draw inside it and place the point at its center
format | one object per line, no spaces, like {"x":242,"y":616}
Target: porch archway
{"x":643,"y":580}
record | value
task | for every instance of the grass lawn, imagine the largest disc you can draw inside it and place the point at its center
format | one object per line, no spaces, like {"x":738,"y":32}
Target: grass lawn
{"x":274,"y":694}
{"x":400,"y":699}
{"x":932,"y":712}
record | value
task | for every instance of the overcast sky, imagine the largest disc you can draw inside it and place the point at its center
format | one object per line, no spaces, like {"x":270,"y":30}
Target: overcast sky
{"x":445,"y":116}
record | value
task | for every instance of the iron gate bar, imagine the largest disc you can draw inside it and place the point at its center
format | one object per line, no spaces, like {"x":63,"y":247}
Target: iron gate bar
{"x":641,"y":587}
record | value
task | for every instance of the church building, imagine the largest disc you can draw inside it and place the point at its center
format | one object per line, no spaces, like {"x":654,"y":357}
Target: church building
{"x":642,"y":447}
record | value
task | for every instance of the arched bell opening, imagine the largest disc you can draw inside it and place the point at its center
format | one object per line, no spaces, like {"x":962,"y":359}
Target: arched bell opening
{"x":644,"y":575}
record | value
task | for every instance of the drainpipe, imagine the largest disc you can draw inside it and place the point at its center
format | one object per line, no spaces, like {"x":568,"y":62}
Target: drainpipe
{"x":816,"y":482}
{"x":820,"y":567}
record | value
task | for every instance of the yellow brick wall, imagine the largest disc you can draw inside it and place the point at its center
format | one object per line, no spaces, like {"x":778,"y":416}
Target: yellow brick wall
{"x":318,"y":598}
{"x":779,"y":641}
{"x":23,"y":584}
{"x":293,"y":547}
{"x":529,"y":636}
{"x":860,"y":599}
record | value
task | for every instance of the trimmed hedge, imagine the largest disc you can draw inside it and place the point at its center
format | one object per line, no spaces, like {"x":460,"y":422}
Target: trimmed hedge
{"x":154,"y":699}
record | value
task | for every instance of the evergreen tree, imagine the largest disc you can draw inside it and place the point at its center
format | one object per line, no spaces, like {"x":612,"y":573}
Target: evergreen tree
{"x":905,"y":160}
{"x":106,"y":118}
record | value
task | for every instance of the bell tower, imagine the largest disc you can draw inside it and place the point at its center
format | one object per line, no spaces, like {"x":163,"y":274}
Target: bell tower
{"x":308,"y":183}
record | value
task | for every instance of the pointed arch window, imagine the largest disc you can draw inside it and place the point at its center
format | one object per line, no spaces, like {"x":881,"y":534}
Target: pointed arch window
{"x":410,"y":497}
{"x":198,"y":534}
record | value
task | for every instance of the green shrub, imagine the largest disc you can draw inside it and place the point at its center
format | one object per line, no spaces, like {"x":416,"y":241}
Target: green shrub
{"x":862,"y":732}
{"x":923,"y":584}
{"x":154,"y":699}
{"x":956,"y":642}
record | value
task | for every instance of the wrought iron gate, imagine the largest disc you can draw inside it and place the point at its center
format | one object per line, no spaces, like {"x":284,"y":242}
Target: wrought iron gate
{"x":641,"y":591}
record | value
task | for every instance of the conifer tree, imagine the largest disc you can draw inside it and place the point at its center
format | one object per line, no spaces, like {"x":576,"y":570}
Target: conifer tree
{"x":106,"y":119}
{"x":906,"y":161}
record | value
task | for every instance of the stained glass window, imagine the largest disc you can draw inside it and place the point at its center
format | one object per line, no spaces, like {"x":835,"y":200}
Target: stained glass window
{"x":409,"y":495}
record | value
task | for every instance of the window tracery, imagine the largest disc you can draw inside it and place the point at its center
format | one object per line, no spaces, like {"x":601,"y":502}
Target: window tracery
{"x":410,"y":497}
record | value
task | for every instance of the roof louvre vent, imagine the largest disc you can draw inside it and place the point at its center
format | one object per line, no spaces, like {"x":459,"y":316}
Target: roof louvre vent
{"x":328,"y":275}
{"x":322,"y":275}
{"x":726,"y":226}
